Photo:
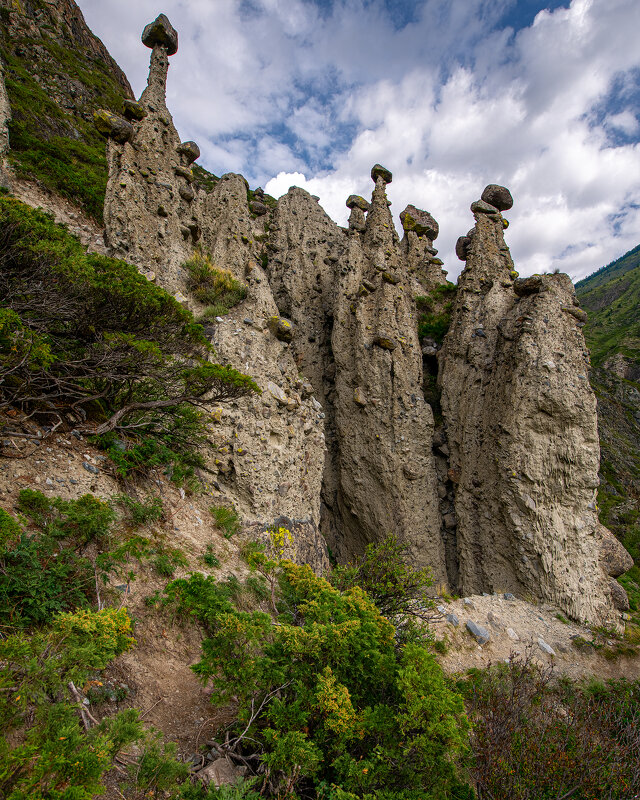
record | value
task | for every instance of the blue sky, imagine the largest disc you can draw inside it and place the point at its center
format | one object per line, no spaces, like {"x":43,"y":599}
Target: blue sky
{"x":543,"y":97}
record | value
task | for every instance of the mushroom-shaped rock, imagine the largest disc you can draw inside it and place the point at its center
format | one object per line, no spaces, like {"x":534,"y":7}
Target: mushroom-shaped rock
{"x":189,"y":150}
{"x":161,"y":32}
{"x":526,"y":286}
{"x":281,"y":328}
{"x":112,"y":126}
{"x":420,"y":222}
{"x":355,"y":201}
{"x":258,"y":208}
{"x":498,"y":196}
{"x":462,"y":247}
{"x":134,"y":110}
{"x":378,"y":171}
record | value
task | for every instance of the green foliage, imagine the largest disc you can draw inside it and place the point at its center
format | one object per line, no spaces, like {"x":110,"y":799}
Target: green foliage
{"x":58,"y":147}
{"x":53,"y":757}
{"x":402,"y":592}
{"x":328,"y":707}
{"x":210,"y":559}
{"x":100,"y":343}
{"x":167,"y":560}
{"x":84,"y":520}
{"x":158,"y":770}
{"x":203,"y":179}
{"x":534,"y":738}
{"x":227,"y":519}
{"x":211,"y":286}
{"x":141,"y":512}
{"x":434,"y":312}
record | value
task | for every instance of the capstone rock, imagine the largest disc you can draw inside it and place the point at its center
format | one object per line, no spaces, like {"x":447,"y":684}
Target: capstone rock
{"x":161,"y":32}
{"x":497,"y":196}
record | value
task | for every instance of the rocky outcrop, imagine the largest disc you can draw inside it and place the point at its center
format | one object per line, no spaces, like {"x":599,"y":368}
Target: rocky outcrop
{"x":5,"y":116}
{"x":521,"y":424}
{"x":341,"y":445}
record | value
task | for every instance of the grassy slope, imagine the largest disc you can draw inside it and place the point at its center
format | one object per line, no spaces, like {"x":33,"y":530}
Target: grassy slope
{"x":612,"y":297}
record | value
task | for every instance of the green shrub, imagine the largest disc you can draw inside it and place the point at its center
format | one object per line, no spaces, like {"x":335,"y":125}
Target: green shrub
{"x":111,"y":352}
{"x":209,"y":558}
{"x":141,"y":512}
{"x":328,"y":707}
{"x":211,"y":286}
{"x":434,"y":312}
{"x":227,"y":519}
{"x":84,"y":520}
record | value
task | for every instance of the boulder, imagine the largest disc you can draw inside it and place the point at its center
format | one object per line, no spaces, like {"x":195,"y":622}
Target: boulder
{"x":482,"y":207}
{"x":614,"y":559}
{"x":111,"y":126}
{"x":221,"y":772}
{"x":161,"y":32}
{"x":462,"y":247}
{"x":281,"y":328}
{"x":498,"y":196}
{"x":355,"y":201}
{"x":420,"y":222}
{"x":134,"y":110}
{"x":258,"y":208}
{"x":189,"y":150}
{"x":385,"y":342}
{"x":480,"y":634}
{"x":526,"y":286}
{"x":618,"y":595}
{"x":378,"y":171}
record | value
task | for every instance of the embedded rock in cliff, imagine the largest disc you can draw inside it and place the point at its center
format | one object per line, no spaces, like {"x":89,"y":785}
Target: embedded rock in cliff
{"x":521,"y":424}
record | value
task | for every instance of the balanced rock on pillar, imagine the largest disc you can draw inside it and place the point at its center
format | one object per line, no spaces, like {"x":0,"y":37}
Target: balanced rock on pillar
{"x":161,"y":32}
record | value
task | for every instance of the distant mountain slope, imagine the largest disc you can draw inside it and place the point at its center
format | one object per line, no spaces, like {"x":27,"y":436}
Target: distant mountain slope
{"x":612,"y":270}
{"x":612,"y":297}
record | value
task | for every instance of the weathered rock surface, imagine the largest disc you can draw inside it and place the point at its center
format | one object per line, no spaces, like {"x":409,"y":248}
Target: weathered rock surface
{"x":5,"y":116}
{"x":161,"y":32}
{"x":521,"y":427}
{"x":502,"y":496}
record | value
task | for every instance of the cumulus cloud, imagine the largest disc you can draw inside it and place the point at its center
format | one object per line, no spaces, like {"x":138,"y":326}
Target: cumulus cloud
{"x":449,"y":98}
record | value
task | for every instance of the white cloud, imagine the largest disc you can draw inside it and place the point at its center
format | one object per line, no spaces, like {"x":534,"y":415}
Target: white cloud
{"x":449,"y":102}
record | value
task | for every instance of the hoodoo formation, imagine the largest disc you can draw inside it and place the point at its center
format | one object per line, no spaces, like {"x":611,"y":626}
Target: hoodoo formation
{"x":499,"y":495}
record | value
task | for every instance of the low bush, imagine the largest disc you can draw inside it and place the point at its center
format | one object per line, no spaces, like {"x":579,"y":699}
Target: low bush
{"x":535,"y":738}
{"x":328,"y":706}
{"x":434,"y":312}
{"x":213,"y":287}
{"x":227,"y":519}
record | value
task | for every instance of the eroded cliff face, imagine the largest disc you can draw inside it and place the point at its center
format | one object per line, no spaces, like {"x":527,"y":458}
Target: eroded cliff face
{"x":341,"y":441}
{"x":521,"y":423}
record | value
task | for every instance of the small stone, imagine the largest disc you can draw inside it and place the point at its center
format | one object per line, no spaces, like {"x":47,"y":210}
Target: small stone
{"x":546,"y":648}
{"x":180,"y":297}
{"x":258,"y":208}
{"x":278,"y":393}
{"x":498,"y":196}
{"x":281,"y":328}
{"x":186,"y":193}
{"x":378,"y":171}
{"x":468,"y":603}
{"x":385,"y":342}
{"x":509,"y":596}
{"x":495,"y":621}
{"x":513,"y":635}
{"x":359,"y":397}
{"x":162,"y":211}
{"x":482,"y":207}
{"x":388,"y":277}
{"x":450,"y":520}
{"x":561,"y":647}
{"x":111,"y":126}
{"x":578,"y":313}
{"x":420,"y":222}
{"x":452,"y":619}
{"x":481,"y":635}
{"x":184,"y":172}
{"x":526,"y":286}
{"x":189,"y":150}
{"x":220,"y":772}
{"x":355,"y":201}
{"x":161,"y":32}
{"x":49,"y":482}
{"x":134,"y":110}
{"x":90,"y":468}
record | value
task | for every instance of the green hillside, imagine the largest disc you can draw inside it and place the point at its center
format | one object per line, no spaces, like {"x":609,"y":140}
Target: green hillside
{"x":612,"y":270}
{"x":612,"y":298}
